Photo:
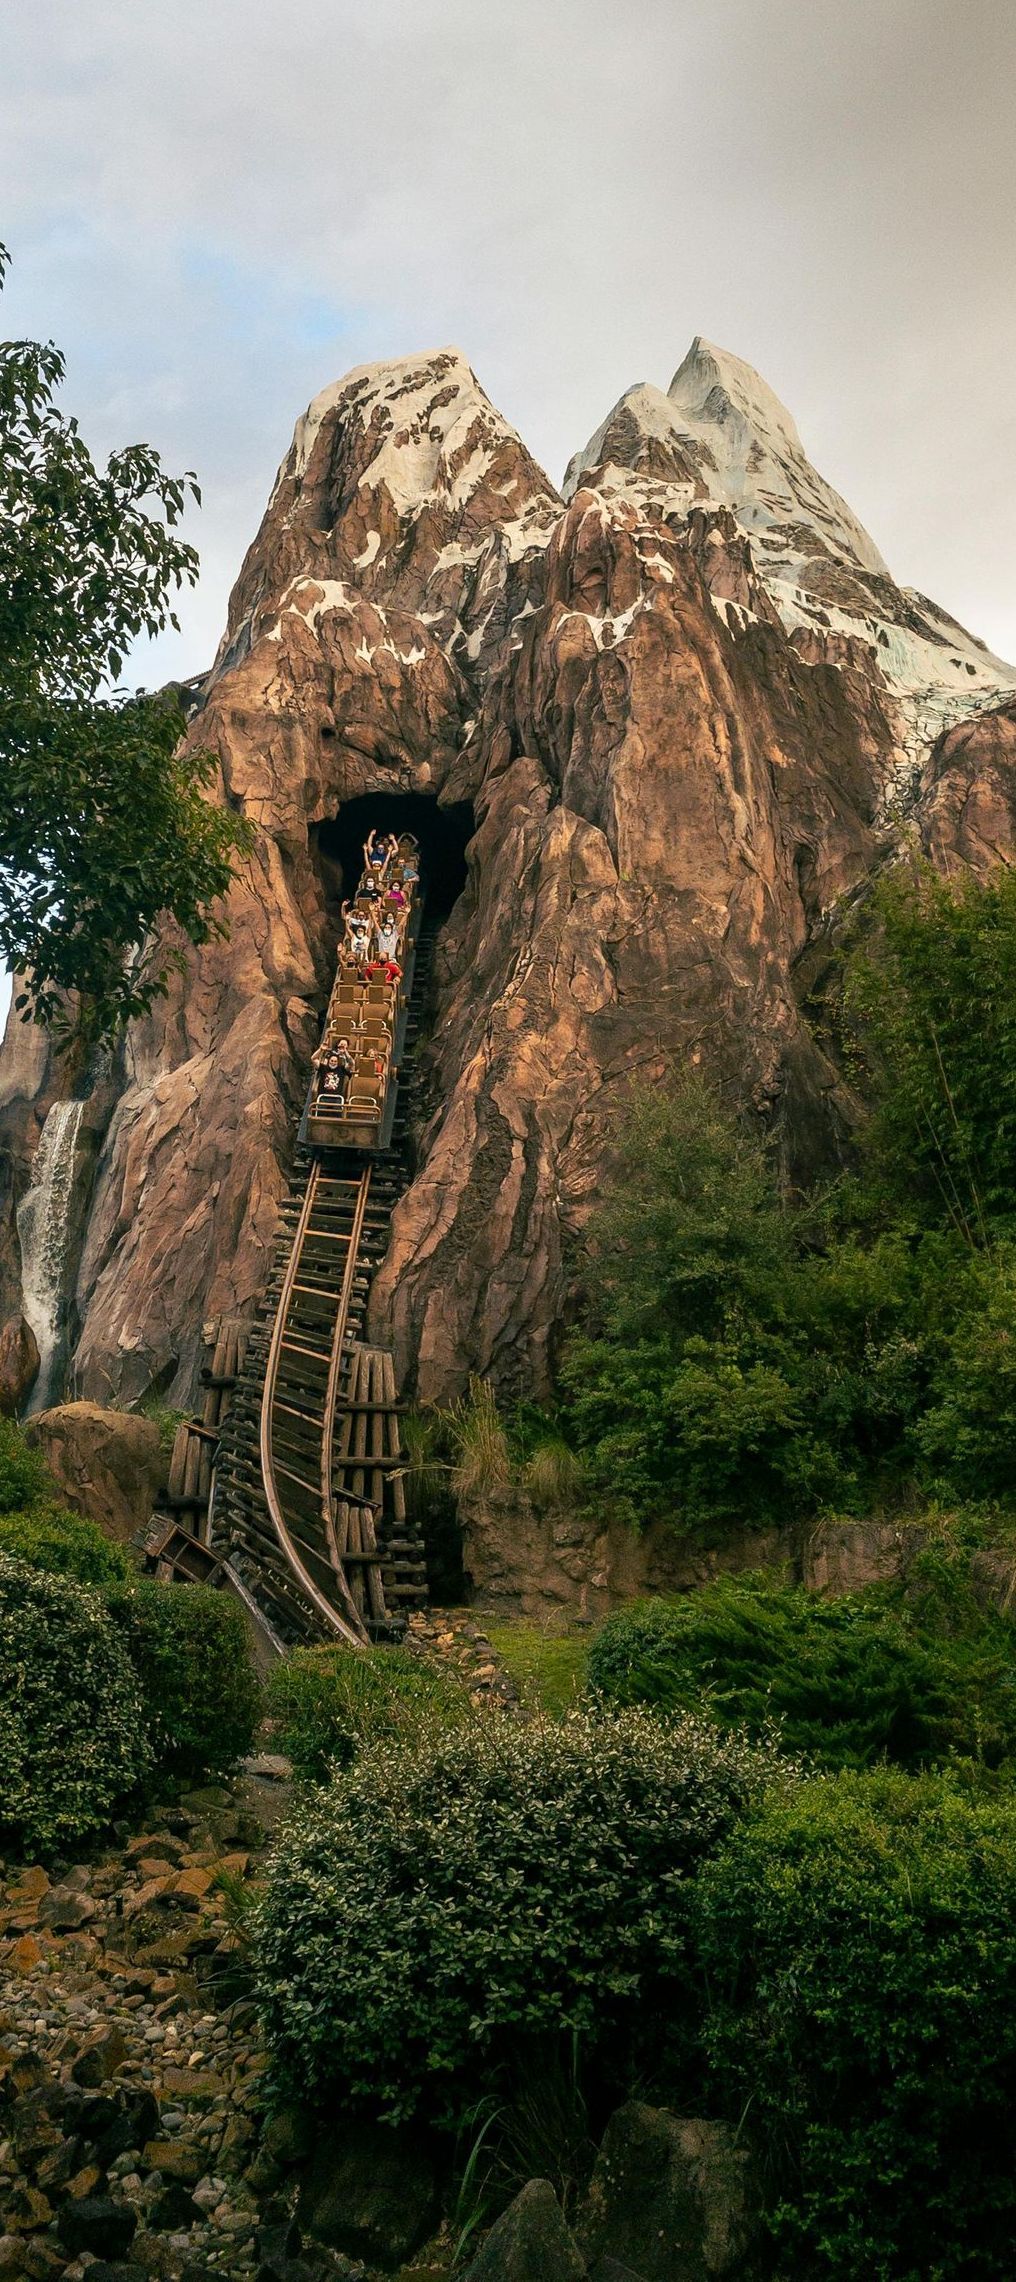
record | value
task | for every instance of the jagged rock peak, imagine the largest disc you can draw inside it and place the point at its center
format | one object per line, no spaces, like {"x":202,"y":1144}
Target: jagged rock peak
{"x":402,"y":483}
{"x":721,"y":430}
{"x":710,"y":383}
{"x":720,"y":437}
{"x":433,"y":430}
{"x":764,"y":469}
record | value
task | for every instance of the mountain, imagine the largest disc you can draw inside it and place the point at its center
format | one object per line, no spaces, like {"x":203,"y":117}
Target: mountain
{"x":677,"y":717}
{"x":720,"y":434}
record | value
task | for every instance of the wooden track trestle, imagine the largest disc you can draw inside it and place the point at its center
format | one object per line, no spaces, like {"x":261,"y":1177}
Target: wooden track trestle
{"x":307,"y":1360}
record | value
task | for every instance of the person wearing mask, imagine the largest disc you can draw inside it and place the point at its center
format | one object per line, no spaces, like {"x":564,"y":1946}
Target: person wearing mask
{"x":335,"y":1067}
{"x":387,"y":938}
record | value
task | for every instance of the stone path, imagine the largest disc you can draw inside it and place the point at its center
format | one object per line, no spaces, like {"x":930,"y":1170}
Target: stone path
{"x":455,"y":1636}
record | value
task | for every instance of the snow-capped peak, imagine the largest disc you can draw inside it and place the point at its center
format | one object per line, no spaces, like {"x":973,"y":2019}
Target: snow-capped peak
{"x":765,"y":474}
{"x":707,"y":370}
{"x":737,"y":445}
{"x":721,"y":436}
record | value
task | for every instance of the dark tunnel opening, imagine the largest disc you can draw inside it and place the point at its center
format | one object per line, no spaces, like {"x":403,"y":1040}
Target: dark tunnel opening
{"x":443,"y":835}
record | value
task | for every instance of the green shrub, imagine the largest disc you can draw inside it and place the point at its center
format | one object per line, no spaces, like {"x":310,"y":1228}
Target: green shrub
{"x":330,"y":1702}
{"x":745,"y":1357}
{"x":851,"y":1680}
{"x":165,"y":1419}
{"x":66,"y":1544}
{"x":444,"y":1910}
{"x":73,"y":1739}
{"x":966,"y":1438}
{"x":22,"y":1474}
{"x":188,"y":1645}
{"x":739,"y":1358}
{"x":858,"y":1941}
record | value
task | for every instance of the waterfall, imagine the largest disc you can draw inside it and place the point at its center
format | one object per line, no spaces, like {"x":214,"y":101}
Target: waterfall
{"x":43,"y":1230}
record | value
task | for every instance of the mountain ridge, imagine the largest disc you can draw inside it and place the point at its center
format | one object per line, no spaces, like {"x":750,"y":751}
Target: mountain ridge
{"x":682,"y":736}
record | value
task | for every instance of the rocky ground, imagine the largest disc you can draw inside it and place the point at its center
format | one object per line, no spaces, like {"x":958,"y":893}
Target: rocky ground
{"x":131,"y":2140}
{"x":129,"y":2061}
{"x":455,"y":1637}
{"x":135,"y":2137}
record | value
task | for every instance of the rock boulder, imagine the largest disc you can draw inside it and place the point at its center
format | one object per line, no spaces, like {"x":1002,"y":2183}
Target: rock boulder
{"x":371,"y":2192}
{"x":529,"y":2242}
{"x":19,"y":1365}
{"x":108,"y":1464}
{"x":669,"y":2197}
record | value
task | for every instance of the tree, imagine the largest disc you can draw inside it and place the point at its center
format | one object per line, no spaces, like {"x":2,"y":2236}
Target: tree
{"x":104,"y":827}
{"x":931,"y":1007}
{"x":690,"y":1387}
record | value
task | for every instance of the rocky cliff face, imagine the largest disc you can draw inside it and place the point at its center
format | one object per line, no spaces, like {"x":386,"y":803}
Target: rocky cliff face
{"x":686,"y":710}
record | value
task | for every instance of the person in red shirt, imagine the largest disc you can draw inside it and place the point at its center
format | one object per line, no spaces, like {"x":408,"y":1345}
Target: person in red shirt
{"x":384,"y":971}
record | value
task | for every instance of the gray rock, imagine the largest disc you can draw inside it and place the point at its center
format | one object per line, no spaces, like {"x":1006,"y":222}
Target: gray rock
{"x":670,"y":2198}
{"x":96,"y":2224}
{"x":372,"y":2193}
{"x":65,"y":1909}
{"x":530,"y":2242}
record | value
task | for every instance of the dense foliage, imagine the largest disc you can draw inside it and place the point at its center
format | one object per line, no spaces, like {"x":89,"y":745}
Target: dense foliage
{"x":328,"y":1703}
{"x":34,"y":1528}
{"x":188,"y":1646}
{"x":445,"y":1910}
{"x":103,"y":825}
{"x":858,"y":1940}
{"x":744,"y":1357}
{"x":23,"y":1478}
{"x":73,"y":1743}
{"x":931,"y":1003}
{"x":851,"y":1681}
{"x":65,"y":1544}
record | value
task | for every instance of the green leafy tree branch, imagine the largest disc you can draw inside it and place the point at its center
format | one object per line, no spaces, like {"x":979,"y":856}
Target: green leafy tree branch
{"x":105,"y":830}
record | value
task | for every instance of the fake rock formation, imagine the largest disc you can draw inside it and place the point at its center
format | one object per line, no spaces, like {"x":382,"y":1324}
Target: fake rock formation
{"x":681,"y":717}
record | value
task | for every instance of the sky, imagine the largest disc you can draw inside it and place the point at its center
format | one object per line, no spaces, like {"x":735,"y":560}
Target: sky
{"x":216,"y":208}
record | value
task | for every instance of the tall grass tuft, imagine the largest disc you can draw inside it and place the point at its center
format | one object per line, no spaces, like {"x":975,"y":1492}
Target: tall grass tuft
{"x":481,"y":1463}
{"x":426,"y":1471}
{"x":555,"y":1476}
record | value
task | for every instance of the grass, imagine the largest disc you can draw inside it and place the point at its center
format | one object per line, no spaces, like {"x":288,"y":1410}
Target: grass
{"x":481,"y":1462}
{"x":548,"y":1668}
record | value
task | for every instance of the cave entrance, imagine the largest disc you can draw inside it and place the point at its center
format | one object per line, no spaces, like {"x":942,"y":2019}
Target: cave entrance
{"x":443,"y":835}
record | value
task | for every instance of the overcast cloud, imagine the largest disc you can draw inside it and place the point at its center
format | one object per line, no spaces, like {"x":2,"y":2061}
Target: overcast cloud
{"x":216,"y":208}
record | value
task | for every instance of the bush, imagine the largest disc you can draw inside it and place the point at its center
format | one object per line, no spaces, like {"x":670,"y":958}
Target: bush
{"x":444,"y":1910}
{"x":22,"y":1473}
{"x":188,"y":1645}
{"x":73,"y":1741}
{"x":851,"y":1681}
{"x":858,"y":1940}
{"x":330,"y":1702}
{"x":741,"y":1359}
{"x":65,"y":1544}
{"x":966,"y":1438}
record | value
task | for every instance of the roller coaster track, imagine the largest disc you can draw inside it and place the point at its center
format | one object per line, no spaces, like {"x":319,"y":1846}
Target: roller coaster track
{"x":310,"y":1508}
{"x":301,"y":1391}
